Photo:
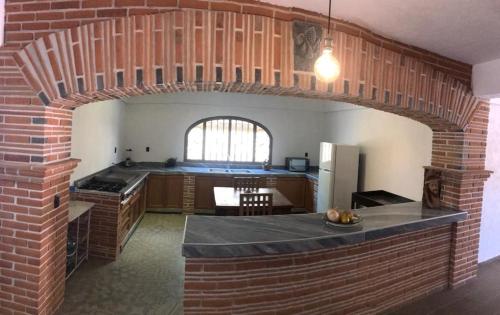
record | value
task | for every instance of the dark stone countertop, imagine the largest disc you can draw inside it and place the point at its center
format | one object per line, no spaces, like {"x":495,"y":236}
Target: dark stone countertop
{"x":214,"y":236}
{"x":159,"y":168}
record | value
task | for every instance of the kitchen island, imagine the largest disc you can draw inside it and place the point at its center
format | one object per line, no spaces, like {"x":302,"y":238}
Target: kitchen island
{"x":297,"y":264}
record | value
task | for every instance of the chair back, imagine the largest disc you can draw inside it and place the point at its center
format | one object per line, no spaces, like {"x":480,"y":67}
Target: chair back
{"x":256,"y":204}
{"x":246,"y":183}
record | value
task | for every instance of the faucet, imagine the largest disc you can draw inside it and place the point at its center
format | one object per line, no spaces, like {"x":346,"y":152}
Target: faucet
{"x":227,"y":162}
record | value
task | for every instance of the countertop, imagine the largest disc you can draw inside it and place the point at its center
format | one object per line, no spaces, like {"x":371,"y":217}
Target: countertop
{"x":159,"y":168}
{"x":214,"y":236}
{"x":77,"y":208}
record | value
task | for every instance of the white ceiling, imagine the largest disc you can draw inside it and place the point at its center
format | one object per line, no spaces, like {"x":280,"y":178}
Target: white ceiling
{"x":465,"y":30}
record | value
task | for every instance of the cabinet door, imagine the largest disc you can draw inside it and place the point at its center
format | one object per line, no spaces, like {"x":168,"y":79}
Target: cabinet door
{"x":174,"y":191}
{"x":143,"y":200}
{"x":293,"y":188}
{"x":156,"y":191}
{"x":223,"y":181}
{"x":203,"y":192}
{"x":124,"y":222}
{"x":309,"y":196}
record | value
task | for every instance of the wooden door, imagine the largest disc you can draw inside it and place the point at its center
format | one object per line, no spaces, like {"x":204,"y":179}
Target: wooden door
{"x":174,"y":191}
{"x":156,"y":191}
{"x":293,"y":188}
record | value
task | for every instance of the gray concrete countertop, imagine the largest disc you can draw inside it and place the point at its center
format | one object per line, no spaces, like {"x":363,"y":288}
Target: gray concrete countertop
{"x":77,"y":208}
{"x":213,"y":236}
{"x":159,"y":168}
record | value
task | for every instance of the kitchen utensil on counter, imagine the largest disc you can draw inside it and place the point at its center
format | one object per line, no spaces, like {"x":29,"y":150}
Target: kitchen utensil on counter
{"x":171,"y":162}
{"x":128,"y":162}
{"x":266,"y":165}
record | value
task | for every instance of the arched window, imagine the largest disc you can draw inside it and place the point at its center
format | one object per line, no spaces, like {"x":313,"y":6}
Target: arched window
{"x":227,"y":139}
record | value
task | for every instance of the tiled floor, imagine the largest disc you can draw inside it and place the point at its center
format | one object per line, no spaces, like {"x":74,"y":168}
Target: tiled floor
{"x":146,"y":279}
{"x":481,"y":296}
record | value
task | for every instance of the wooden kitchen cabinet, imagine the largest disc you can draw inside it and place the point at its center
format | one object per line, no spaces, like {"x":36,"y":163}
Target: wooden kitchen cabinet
{"x":155,"y":194}
{"x":310,"y":195}
{"x":165,"y":191}
{"x":203,"y":193}
{"x":131,"y":212}
{"x":294,"y":189}
{"x":174,"y":191}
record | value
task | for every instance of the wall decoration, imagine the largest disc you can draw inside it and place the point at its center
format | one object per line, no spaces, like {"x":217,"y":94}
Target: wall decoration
{"x":432,"y":189}
{"x":306,"y":45}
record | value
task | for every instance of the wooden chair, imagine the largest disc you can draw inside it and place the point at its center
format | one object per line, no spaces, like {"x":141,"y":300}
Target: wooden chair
{"x":246,"y":183}
{"x":256,"y":204}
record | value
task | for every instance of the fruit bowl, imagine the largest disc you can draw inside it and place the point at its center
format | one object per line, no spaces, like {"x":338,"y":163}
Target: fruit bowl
{"x":344,"y":225}
{"x":342,"y":219}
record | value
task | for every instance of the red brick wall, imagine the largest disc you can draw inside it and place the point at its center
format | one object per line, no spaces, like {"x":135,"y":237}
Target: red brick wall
{"x":104,"y":222}
{"x":461,"y":157}
{"x":28,"y":20}
{"x":188,"y":194}
{"x":372,"y":74}
{"x":35,"y":140}
{"x":33,"y":237}
{"x":356,"y":279}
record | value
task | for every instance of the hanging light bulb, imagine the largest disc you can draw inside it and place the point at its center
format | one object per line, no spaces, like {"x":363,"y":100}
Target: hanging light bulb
{"x":327,"y":67}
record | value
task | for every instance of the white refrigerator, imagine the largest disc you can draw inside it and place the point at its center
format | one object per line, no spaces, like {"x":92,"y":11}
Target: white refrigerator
{"x":338,"y":175}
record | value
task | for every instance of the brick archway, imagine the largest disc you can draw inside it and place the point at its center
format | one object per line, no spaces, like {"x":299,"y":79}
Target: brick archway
{"x":207,"y":50}
{"x":199,"y":50}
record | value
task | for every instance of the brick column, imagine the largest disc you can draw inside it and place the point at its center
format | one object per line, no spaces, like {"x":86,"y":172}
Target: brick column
{"x":315,"y":194}
{"x":461,"y":158}
{"x":188,"y":195}
{"x":271,"y":182}
{"x":464,"y":191}
{"x":33,"y":236}
{"x":34,"y":168}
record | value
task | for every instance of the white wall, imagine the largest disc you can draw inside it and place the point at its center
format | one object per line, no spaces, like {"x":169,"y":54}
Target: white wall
{"x":489,"y":246}
{"x":393,"y":149}
{"x":97,"y":130}
{"x":486,"y":79}
{"x":160,"y":122}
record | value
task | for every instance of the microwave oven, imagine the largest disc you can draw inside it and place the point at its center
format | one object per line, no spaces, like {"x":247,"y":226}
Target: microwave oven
{"x":297,"y":164}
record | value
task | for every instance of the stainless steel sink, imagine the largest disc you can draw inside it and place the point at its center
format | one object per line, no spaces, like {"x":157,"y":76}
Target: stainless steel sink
{"x":218,"y":170}
{"x":225,"y":170}
{"x":240,"y":171}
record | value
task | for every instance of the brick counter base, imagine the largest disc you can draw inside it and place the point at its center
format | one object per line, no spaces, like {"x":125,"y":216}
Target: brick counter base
{"x":356,"y":279}
{"x":104,"y":222}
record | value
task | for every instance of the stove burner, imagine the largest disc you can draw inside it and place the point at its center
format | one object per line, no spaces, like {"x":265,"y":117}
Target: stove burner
{"x":103,"y":186}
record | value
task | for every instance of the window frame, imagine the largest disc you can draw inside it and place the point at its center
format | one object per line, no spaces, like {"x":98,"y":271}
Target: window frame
{"x":230,"y":118}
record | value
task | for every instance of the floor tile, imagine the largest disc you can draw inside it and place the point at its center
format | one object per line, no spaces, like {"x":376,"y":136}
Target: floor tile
{"x":146,"y":279}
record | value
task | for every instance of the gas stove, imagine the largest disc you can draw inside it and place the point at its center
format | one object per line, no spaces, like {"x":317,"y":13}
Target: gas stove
{"x":111,"y":182}
{"x":99,"y":185}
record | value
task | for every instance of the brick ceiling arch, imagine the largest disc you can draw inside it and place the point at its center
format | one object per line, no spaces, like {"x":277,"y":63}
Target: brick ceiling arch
{"x":201,"y":50}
